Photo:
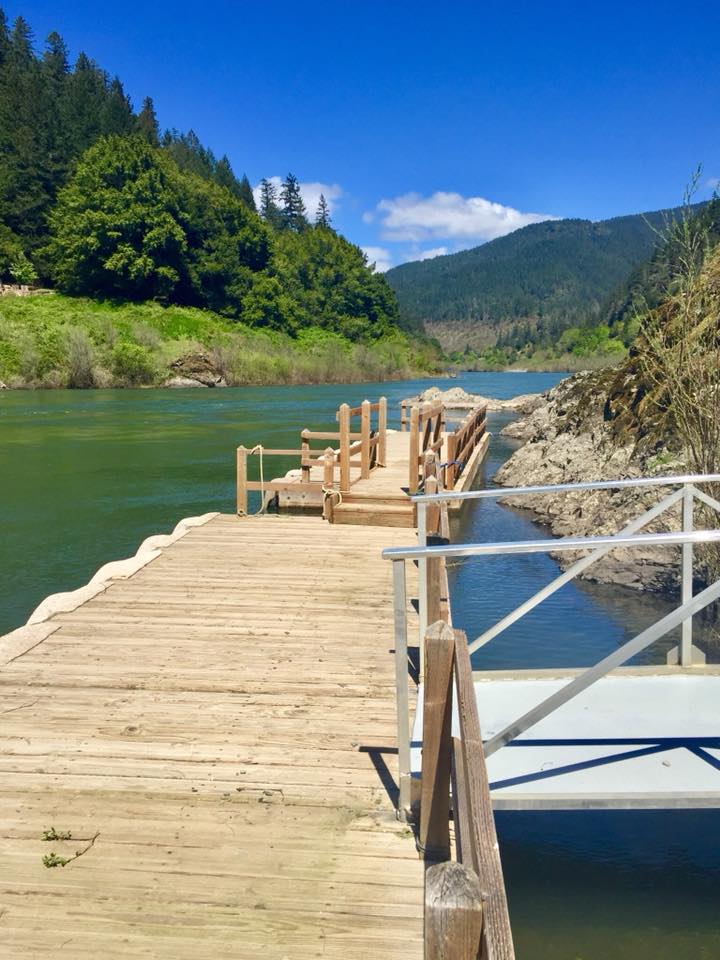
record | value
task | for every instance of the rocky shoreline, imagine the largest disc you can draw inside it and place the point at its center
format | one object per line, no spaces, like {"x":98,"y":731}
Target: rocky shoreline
{"x":570,"y":437}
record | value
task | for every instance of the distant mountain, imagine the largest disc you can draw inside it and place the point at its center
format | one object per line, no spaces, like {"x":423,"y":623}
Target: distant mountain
{"x":555,"y":275}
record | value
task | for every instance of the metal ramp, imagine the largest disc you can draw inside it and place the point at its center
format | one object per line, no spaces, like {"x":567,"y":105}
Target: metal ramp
{"x":637,"y":739}
{"x":605,"y":736}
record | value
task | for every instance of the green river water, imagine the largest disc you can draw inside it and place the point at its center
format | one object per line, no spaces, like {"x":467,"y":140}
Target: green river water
{"x":85,"y":476}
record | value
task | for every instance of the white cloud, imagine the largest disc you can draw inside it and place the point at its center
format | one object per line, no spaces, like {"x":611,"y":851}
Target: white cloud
{"x":429,"y":254}
{"x":415,"y":218}
{"x":310,"y":193}
{"x":380,"y":256}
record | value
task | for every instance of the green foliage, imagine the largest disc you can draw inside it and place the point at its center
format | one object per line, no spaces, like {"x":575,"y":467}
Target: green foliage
{"x":52,"y":834}
{"x":94,"y":200}
{"x":22,"y":271}
{"x":133,"y":363}
{"x":54,"y":340}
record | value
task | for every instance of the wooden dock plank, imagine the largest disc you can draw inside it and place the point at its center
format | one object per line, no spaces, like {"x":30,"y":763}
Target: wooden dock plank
{"x":225,"y":719}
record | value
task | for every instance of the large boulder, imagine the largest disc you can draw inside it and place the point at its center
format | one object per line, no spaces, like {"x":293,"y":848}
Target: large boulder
{"x":198,"y":368}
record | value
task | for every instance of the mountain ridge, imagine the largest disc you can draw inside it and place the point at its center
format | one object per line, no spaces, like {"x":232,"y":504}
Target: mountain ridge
{"x":556,"y":273}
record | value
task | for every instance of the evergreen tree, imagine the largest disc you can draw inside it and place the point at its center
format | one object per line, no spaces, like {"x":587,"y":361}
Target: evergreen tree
{"x":147,"y":123}
{"x":322,"y":217}
{"x":4,"y":37}
{"x":293,"y":208}
{"x":246,"y":193}
{"x":269,"y":210}
{"x":81,"y":109}
{"x":117,"y":115}
{"x":224,"y":176}
{"x":189,"y":154}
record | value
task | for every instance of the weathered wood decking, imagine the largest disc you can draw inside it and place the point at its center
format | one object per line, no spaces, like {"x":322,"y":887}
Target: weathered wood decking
{"x":224,"y":720}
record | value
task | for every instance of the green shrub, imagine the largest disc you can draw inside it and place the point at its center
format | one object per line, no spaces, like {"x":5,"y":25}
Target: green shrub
{"x":80,"y":359}
{"x":132,"y":363}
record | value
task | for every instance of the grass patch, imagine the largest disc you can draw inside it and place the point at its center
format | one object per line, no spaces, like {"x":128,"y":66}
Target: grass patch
{"x":57,"y":341}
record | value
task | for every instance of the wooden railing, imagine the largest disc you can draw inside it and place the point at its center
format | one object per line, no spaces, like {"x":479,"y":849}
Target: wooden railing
{"x":364,"y":450}
{"x":466,"y":913}
{"x":427,"y":423}
{"x":461,"y":444}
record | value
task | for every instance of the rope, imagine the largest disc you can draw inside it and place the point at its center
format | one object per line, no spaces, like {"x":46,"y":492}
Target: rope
{"x":330,"y":492}
{"x":263,"y":503}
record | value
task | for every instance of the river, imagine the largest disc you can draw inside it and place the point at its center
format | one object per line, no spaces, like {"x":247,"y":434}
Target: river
{"x":86,"y":475}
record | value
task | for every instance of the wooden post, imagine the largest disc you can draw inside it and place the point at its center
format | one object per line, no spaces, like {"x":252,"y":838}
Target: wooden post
{"x":344,"y":420}
{"x":433,"y":566}
{"x":242,"y":494}
{"x":328,"y":483}
{"x":365,"y":440}
{"x":382,"y":433}
{"x":453,"y":912}
{"x":451,"y":457}
{"x":433,"y":509}
{"x":304,"y":455}
{"x":414,"y":449}
{"x":437,"y":742}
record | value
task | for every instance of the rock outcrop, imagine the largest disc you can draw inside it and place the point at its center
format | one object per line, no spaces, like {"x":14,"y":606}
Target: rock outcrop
{"x":457,"y":397}
{"x":195,"y":369}
{"x":572,"y":438}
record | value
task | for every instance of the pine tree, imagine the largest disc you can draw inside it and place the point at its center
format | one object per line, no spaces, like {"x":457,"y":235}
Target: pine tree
{"x":4,"y":37}
{"x":269,"y":210}
{"x":293,"y":208}
{"x":246,"y":193}
{"x":117,"y":117}
{"x":147,"y":123}
{"x":322,"y":217}
{"x":225,"y":177}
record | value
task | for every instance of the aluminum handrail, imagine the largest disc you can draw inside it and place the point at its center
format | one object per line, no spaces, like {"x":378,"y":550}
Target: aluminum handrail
{"x":550,"y":546}
{"x":498,"y":492}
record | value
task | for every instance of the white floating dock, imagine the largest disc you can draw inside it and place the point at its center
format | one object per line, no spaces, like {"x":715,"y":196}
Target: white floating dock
{"x":639,"y":739}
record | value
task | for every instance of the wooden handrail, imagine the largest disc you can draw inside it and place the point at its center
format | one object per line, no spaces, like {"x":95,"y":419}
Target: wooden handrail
{"x":461,"y":760}
{"x":370,"y":443}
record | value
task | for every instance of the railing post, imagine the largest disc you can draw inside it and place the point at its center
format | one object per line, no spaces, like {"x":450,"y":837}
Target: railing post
{"x":328,"y":483}
{"x":434,"y":840}
{"x":451,"y":457}
{"x":422,"y":585}
{"x":401,"y":688}
{"x":686,"y":651}
{"x":431,"y":485}
{"x":365,"y":439}
{"x":414,"y":449}
{"x":344,"y":421}
{"x":382,"y":433}
{"x":242,"y":493}
{"x":304,"y":455}
{"x":453,"y":912}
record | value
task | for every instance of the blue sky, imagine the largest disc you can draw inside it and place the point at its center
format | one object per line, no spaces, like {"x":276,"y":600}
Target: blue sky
{"x":431,"y":126}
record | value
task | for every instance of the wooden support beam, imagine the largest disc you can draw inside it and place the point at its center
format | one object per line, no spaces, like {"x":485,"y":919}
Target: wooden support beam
{"x":328,"y":483}
{"x":382,"y":433}
{"x":344,"y":421}
{"x":480,"y":847}
{"x":241,"y":483}
{"x":437,"y":743}
{"x":414,"y":449}
{"x":453,"y":912}
{"x":305,"y":453}
{"x":365,"y":440}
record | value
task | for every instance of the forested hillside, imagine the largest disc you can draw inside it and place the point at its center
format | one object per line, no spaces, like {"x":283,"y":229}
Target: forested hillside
{"x":529,"y":287}
{"x":96,"y":202}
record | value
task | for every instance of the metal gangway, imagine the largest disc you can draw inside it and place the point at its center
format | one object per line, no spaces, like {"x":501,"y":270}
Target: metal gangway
{"x":605,"y":736}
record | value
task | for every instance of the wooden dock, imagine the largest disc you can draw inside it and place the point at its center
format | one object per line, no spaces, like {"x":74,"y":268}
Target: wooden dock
{"x":370,"y":475}
{"x":200,"y":754}
{"x":223,"y":722}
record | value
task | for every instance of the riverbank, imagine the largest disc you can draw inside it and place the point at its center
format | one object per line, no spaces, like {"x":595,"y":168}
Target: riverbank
{"x":570,"y":438}
{"x":53,"y":341}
